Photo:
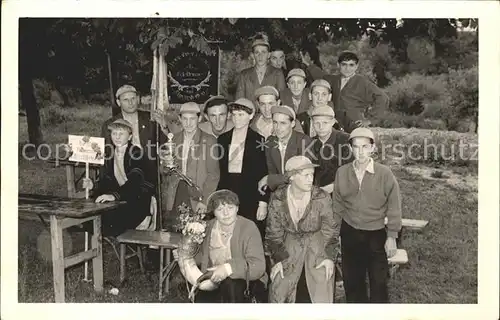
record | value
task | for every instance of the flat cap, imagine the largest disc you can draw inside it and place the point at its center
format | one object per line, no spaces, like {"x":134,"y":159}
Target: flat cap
{"x":266,"y":90}
{"x":296,"y":72}
{"x":190,"y":107}
{"x":284,"y":110}
{"x":261,"y":42}
{"x":243,"y":102}
{"x":321,"y":83}
{"x":120,"y":123}
{"x":297,"y":163}
{"x":323,"y":111}
{"x":362,"y":132}
{"x":124,"y":89}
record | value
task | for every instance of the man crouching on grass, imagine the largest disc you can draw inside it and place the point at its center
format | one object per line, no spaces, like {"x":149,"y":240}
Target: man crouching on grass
{"x":365,"y":192}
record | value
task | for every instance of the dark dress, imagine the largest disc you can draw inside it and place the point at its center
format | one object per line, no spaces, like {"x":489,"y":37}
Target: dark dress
{"x":245,"y":184}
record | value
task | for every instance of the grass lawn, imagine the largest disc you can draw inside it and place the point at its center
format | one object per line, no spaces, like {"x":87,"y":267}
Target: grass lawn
{"x":442,"y":264}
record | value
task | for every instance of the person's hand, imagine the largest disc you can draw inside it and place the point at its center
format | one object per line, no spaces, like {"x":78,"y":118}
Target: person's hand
{"x":262,"y":185}
{"x":153,"y":206}
{"x":362,"y":123}
{"x":175,"y":253}
{"x":277,"y":268}
{"x":219,"y":273}
{"x":201,"y":208}
{"x":390,"y":247}
{"x":328,"y":265}
{"x":105,"y":198}
{"x":87,"y":183}
{"x":328,"y":188}
{"x":262,"y":212}
{"x":306,"y":59}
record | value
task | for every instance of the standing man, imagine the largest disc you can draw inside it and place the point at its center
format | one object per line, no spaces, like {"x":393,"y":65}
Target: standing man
{"x":296,"y":95}
{"x":365,"y":193}
{"x":281,"y":146}
{"x":277,"y":58}
{"x":261,"y":74}
{"x":216,"y":116}
{"x":331,"y":147}
{"x":352,"y":93}
{"x":267,"y":97}
{"x":195,"y":156}
{"x":320,"y":95}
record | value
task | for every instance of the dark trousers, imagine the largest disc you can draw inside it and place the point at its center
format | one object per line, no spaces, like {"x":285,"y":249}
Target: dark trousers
{"x":302,"y":293}
{"x":229,"y":291}
{"x":363,"y":251}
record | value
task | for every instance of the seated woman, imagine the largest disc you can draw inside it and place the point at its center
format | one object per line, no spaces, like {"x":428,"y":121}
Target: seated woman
{"x":232,"y":249}
{"x":301,"y":235}
{"x":122,"y":178}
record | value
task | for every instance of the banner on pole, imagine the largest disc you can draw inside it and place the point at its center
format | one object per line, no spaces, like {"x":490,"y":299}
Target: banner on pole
{"x":86,"y":149}
{"x":193,"y":76}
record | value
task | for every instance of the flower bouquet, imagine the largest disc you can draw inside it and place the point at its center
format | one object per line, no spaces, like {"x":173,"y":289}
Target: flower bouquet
{"x":192,"y":226}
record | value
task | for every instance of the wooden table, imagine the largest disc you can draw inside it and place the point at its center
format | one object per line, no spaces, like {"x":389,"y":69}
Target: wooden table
{"x":64,"y":213}
{"x":71,"y":166}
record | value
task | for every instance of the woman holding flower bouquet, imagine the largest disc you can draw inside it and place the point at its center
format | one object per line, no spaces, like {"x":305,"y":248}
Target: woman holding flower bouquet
{"x":232,"y":251}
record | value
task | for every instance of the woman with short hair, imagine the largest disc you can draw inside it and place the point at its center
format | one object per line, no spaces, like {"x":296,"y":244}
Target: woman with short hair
{"x":232,"y":250}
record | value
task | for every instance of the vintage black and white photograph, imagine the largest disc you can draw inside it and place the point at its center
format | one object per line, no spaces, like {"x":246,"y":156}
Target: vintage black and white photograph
{"x":248,"y":160}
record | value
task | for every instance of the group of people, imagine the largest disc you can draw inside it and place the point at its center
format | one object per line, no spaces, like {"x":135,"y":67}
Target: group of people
{"x":283,"y":177}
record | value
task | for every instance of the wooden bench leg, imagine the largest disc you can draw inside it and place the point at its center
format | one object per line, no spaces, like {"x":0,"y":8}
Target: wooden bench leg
{"x":123,"y":248}
{"x":140,"y":256}
{"x":160,"y":278}
{"x":97,"y":262}
{"x":167,"y":278}
{"x":57,"y":258}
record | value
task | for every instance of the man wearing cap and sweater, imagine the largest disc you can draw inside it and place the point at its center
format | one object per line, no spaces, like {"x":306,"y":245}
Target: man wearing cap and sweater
{"x":267,"y":97}
{"x":331,"y":147}
{"x":296,"y":94}
{"x":352,"y":93}
{"x":365,"y":193}
{"x":261,"y":74}
{"x":194,"y":155}
{"x":217,"y":116}
{"x":281,"y":146}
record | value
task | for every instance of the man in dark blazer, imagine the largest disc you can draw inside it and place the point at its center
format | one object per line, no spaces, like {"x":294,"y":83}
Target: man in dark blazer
{"x":281,"y":146}
{"x":352,"y":93}
{"x":296,"y":94}
{"x":261,"y":74}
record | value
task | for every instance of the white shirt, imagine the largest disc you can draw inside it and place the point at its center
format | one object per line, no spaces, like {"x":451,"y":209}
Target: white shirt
{"x":134,"y":120}
{"x":361,"y":173}
{"x":220,"y":250}
{"x":296,"y":103}
{"x":344,"y":80}
{"x":186,"y":147}
{"x":265,"y":128}
{"x":118,"y":166}
{"x":236,"y":150}
{"x":282,"y":148}
{"x":260,"y":74}
{"x":297,"y":207}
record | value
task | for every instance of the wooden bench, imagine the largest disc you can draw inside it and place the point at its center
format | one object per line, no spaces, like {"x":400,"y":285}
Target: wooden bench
{"x":165,"y":241}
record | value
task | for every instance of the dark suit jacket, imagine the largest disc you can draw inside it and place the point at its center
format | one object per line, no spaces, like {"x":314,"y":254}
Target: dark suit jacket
{"x":248,"y":81}
{"x":287,"y":100}
{"x":254,"y":168}
{"x":137,"y":190}
{"x":299,"y":144}
{"x":358,"y":94}
{"x":330,"y":156}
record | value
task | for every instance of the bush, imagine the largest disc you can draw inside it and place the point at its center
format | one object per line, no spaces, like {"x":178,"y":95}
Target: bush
{"x":462,"y":86}
{"x":230,"y":66}
{"x":414,"y":146}
{"x":414,"y":93}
